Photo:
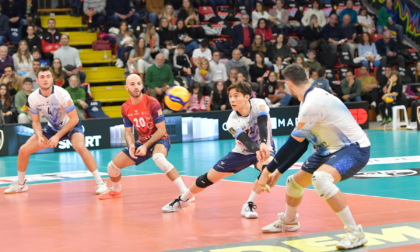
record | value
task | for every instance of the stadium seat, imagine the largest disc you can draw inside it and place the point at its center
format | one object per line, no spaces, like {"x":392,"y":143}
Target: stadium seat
{"x":357,"y":72}
{"x":112,"y":111}
{"x":207,"y":12}
{"x":103,"y":74}
{"x":89,"y":56}
{"x":115,"y":93}
{"x":376,"y":37}
{"x":81,"y":38}
{"x":62,"y":21}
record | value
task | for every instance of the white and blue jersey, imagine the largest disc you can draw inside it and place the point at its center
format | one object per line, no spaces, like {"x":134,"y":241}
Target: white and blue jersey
{"x":327,"y":123}
{"x":54,"y":107}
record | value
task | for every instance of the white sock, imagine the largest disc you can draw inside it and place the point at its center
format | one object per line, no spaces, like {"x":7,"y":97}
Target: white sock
{"x":187,"y":195}
{"x":347,"y":218}
{"x":253,"y":197}
{"x":290,"y":213}
{"x":21,"y":177}
{"x":97,"y":177}
{"x":116,"y":186}
{"x":178,"y":182}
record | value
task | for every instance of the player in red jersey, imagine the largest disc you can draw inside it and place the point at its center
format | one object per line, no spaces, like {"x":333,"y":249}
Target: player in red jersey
{"x":145,"y":113}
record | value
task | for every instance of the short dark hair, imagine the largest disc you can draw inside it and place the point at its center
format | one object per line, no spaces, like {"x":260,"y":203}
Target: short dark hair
{"x":9,"y":65}
{"x":68,"y":37}
{"x":311,"y":51}
{"x":296,"y":74}
{"x":27,"y":79}
{"x":44,"y":69}
{"x":36,"y":60}
{"x":36,"y":50}
{"x":180,"y":46}
{"x":321,"y":72}
{"x":51,"y":19}
{"x":241,"y":87}
{"x":311,"y":71}
{"x":215,"y":51}
{"x":366,"y":67}
{"x":204,"y":43}
{"x":350,"y":71}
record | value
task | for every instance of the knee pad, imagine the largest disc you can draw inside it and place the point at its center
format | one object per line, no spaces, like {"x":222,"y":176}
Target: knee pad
{"x":324,"y":184}
{"x":113,"y":170}
{"x":203,"y":181}
{"x":293,"y":189}
{"x":162,"y":163}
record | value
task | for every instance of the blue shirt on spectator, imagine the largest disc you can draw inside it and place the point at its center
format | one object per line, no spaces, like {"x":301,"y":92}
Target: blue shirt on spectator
{"x":322,"y":83}
{"x":352,"y":13}
{"x":367,"y":48}
{"x":348,"y":31}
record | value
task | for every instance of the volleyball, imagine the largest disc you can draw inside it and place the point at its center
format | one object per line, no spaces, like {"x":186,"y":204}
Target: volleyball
{"x":177,"y":98}
{"x":389,"y":99}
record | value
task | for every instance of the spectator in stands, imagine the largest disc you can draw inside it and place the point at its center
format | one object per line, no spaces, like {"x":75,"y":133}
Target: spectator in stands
{"x":258,"y":13}
{"x":50,"y":41}
{"x":278,"y":67}
{"x":78,"y":95}
{"x":313,"y":35}
{"x":416,"y":91}
{"x":383,"y":79}
{"x":220,"y":97}
{"x":203,"y":76}
{"x":182,"y":62}
{"x":155,"y":9}
{"x":127,"y":44}
{"x":33,"y":40}
{"x":21,"y":99}
{"x":11,"y":9}
{"x":188,"y":13}
{"x":236,"y":63}
{"x":13,"y":80}
{"x":218,"y":69}
{"x":318,"y":12}
{"x":233,"y":76}
{"x":197,"y":103}
{"x":5,"y":59}
{"x":4,"y":28}
{"x":301,"y":61}
{"x":257,"y":71}
{"x":76,"y":6}
{"x":201,"y":53}
{"x":280,"y":19}
{"x":351,"y":88}
{"x":368,"y":54}
{"x":387,"y":48}
{"x":393,"y":91}
{"x":275,"y":93}
{"x":177,"y":4}
{"x":95,"y":13}
{"x":349,"y":11}
{"x":7,"y":105}
{"x":333,"y":34}
{"x":36,"y":54}
{"x":170,"y":15}
{"x":258,"y":46}
{"x":157,"y":75}
{"x":349,"y":33}
{"x":312,"y":63}
{"x":243,"y":35}
{"x":118,"y":10}
{"x":182,"y":35}
{"x":370,"y":92}
{"x":140,"y":58}
{"x":215,"y":3}
{"x":365,"y":20}
{"x":281,"y":49}
{"x":151,"y":37}
{"x":322,"y":81}
{"x":265,"y":31}
{"x":387,"y":20}
{"x":22,"y":59}
{"x":313,"y":75}
{"x":166,"y":36}
{"x":70,"y":59}
{"x":59,"y":75}
{"x":36,"y":64}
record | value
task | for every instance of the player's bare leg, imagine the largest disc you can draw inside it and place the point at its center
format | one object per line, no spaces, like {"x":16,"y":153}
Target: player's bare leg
{"x":324,"y":180}
{"x":159,"y":157}
{"x":114,"y":171}
{"x":288,"y":221}
{"x":31,"y":146}
{"x":78,"y":142}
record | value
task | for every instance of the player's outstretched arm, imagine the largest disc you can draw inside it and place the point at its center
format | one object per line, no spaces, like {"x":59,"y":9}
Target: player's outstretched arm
{"x":129,"y":139}
{"x":160,"y":132}
{"x":264,"y":152}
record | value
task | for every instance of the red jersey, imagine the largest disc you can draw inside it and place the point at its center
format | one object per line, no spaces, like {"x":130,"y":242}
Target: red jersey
{"x":144,"y":116}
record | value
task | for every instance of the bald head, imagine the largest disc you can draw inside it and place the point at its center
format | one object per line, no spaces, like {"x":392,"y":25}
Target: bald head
{"x":134,"y":85}
{"x":387,"y":35}
{"x":132,"y":78}
{"x":3,"y":52}
{"x":346,"y":19}
{"x":160,"y":59}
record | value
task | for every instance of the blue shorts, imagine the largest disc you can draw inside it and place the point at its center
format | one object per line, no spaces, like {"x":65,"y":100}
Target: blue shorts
{"x":236,"y":162}
{"x":49,"y":132}
{"x":140,"y":159}
{"x":348,"y":161}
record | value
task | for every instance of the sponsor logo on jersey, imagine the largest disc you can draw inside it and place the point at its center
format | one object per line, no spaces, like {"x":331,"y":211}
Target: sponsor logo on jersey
{"x":262,"y":107}
{"x":300,"y":125}
{"x":232,"y":131}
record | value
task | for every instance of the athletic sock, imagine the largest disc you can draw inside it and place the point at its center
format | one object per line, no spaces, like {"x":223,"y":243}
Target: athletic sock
{"x":187,"y":195}
{"x":290,"y":213}
{"x":97,"y":177}
{"x":347,"y":219}
{"x":21,"y":177}
{"x":178,"y":182}
{"x":116,"y":186}
{"x":253,"y":197}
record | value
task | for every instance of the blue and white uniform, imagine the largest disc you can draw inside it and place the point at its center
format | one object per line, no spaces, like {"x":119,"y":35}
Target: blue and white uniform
{"x":331,"y":129}
{"x":240,"y":157}
{"x":55,"y":108}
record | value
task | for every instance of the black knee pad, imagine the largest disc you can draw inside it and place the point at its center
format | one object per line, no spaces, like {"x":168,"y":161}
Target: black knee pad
{"x":203,"y":181}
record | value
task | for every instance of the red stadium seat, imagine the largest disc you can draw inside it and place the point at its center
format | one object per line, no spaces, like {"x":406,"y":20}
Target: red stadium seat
{"x":376,"y":37}
{"x":207,"y":12}
{"x":357,"y":72}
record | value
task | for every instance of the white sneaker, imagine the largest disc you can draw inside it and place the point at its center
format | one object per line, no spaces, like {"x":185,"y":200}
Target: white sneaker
{"x":101,"y":188}
{"x":373,"y":104}
{"x":192,"y":199}
{"x":379,"y":118}
{"x":281,"y":226}
{"x":267,"y":101}
{"x":248,"y":210}
{"x":175,"y":205}
{"x":413,"y":126}
{"x":16,"y":188}
{"x":352,"y":239}
{"x":277,"y":105}
{"x":118,"y":62}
